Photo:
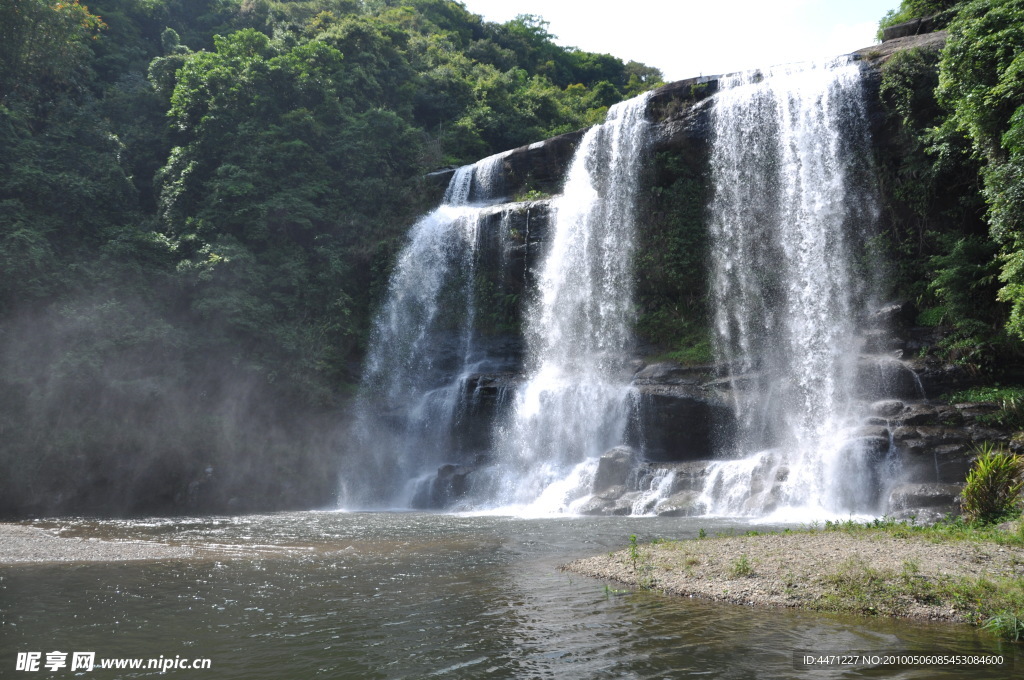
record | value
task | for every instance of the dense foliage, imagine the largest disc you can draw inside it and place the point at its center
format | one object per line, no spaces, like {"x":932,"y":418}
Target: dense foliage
{"x":982,"y":85}
{"x":199,"y":202}
{"x":954,"y":186}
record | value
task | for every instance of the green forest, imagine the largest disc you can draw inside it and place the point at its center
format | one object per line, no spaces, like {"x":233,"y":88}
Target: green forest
{"x":199,"y":204}
{"x":201,"y":200}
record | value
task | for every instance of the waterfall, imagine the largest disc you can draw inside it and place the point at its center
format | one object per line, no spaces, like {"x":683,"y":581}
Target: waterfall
{"x":575,"y":401}
{"x":787,"y":216}
{"x":791,"y":206}
{"x":422,"y":349}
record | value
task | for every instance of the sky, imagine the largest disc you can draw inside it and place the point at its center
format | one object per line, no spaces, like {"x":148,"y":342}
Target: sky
{"x":685,"y":39}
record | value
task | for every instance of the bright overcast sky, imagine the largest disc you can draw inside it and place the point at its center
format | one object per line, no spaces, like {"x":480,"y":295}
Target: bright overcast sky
{"x":708,"y":37}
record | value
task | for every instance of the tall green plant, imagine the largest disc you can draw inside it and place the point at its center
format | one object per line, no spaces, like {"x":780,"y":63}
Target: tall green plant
{"x":994,"y":485}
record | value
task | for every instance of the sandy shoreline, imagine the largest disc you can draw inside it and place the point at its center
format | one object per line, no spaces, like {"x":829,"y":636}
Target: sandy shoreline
{"x":808,"y":570}
{"x":21,"y":544}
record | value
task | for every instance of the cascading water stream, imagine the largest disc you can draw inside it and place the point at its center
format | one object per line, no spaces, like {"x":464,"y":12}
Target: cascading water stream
{"x":786,"y":217}
{"x":423,"y":349}
{"x":575,"y":402}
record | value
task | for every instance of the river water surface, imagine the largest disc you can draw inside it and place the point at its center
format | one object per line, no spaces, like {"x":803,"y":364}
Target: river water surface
{"x":407,"y":595}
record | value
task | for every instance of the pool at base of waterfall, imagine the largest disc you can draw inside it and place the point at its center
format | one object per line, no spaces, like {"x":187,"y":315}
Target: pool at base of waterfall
{"x":414,"y":595}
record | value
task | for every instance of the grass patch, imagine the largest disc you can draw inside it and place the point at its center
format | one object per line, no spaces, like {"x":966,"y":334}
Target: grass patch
{"x":949,"y":529}
{"x":994,"y":603}
{"x":696,"y":353}
{"x":531,"y":195}
{"x":691,"y":349}
{"x":858,"y":588}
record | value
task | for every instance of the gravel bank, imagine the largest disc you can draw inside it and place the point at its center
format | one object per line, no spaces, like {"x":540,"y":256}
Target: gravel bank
{"x":800,"y":569}
{"x":21,"y":544}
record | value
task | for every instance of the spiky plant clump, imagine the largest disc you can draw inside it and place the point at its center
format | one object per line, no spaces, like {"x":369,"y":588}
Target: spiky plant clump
{"x":994,"y":485}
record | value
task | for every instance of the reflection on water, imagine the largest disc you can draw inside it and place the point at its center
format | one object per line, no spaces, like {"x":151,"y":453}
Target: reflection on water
{"x":335,"y":595}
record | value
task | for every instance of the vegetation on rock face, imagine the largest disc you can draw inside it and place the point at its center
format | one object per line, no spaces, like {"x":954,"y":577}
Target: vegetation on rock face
{"x":951,"y":211}
{"x":199,"y":204}
{"x":980,"y":84}
{"x":670,"y":259}
{"x":1008,"y":404}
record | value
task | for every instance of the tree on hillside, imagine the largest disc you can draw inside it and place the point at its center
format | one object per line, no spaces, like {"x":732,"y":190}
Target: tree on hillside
{"x":43,"y":44}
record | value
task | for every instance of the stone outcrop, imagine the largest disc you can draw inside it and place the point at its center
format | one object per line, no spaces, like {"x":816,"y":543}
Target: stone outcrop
{"x":450,"y":484}
{"x":627,"y":485}
{"x":934,"y":445}
{"x":681,"y":415}
{"x":914,"y":27}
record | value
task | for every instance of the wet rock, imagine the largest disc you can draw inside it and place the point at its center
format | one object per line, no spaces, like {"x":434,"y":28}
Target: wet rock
{"x":925,"y":516}
{"x":873,"y":431}
{"x":541,"y":165}
{"x":935,"y":435}
{"x":450,"y":484}
{"x":887,"y":408}
{"x":626,"y":504}
{"x":689,"y":476}
{"x":919,"y":414}
{"x":613,"y":469}
{"x":734,"y":382}
{"x":479,"y":410}
{"x":678,"y":423}
{"x":926,"y":462}
{"x":934,"y":495}
{"x":973,"y":410}
{"x":904,"y":433}
{"x":874,"y":447}
{"x":894,"y":316}
{"x":764,"y":502}
{"x":881,"y":377}
{"x":882,"y":342}
{"x":939,"y":378}
{"x":683,"y":125}
{"x":682,"y":504}
{"x":670,"y":373}
{"x":982,"y":433}
{"x":595,"y":506}
{"x":928,"y":414}
{"x":612,"y":493}
{"x":615,"y":501}
{"x":909,"y":28}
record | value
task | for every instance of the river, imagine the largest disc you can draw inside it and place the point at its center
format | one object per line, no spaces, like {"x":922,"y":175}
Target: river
{"x":411,"y":595}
